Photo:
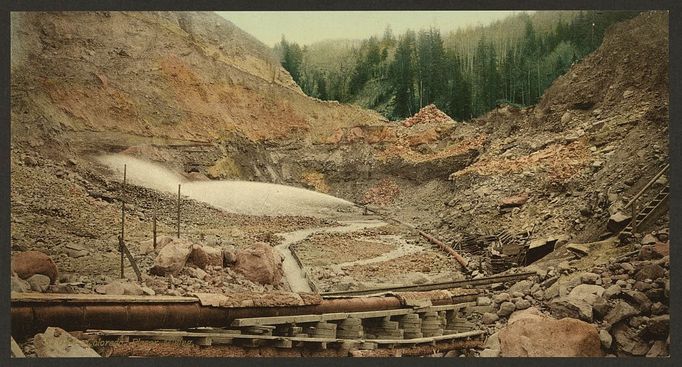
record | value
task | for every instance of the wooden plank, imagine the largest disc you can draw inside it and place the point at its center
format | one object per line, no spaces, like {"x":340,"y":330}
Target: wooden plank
{"x":299,"y":319}
{"x":428,"y":339}
{"x":215,"y":330}
{"x":185,"y":334}
{"x":15,"y":350}
{"x":90,"y":298}
{"x":256,"y":340}
{"x":439,"y":308}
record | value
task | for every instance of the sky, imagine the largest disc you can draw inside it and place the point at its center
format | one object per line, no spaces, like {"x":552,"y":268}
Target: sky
{"x":306,"y":27}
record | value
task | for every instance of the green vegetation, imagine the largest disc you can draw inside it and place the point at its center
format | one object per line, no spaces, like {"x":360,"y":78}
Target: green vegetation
{"x":465,"y":74}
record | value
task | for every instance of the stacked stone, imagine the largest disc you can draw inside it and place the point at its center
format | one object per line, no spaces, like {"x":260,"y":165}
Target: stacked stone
{"x":442,"y":318}
{"x":323,"y":330}
{"x":386,"y":329}
{"x":432,"y":324}
{"x":457,"y":324}
{"x":350,"y":328}
{"x":289,"y":330}
{"x":411,"y":325}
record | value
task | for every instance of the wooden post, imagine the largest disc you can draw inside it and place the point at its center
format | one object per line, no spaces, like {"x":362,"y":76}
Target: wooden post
{"x":634,"y":216}
{"x":156,"y":204}
{"x":123,"y":220}
{"x":124,"y":248}
{"x":178,"y":210}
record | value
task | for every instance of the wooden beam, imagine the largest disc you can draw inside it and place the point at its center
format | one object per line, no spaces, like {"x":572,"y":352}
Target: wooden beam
{"x":298,"y":319}
{"x":456,"y":306}
{"x":430,"y":339}
{"x":175,"y":335}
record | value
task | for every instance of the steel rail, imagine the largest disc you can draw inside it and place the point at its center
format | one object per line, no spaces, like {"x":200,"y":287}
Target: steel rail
{"x":432,"y":286}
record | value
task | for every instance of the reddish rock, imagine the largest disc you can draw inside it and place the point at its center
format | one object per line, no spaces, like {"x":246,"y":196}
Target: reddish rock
{"x":428,"y":114}
{"x":29,"y":263}
{"x":514,"y":201}
{"x":203,"y":256}
{"x":539,"y":336}
{"x":655,"y":251}
{"x":355,"y":134}
{"x":259,"y":263}
{"x":336,"y":137}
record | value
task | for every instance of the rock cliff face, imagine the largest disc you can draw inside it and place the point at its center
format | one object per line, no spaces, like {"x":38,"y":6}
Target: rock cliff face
{"x":173,"y":75}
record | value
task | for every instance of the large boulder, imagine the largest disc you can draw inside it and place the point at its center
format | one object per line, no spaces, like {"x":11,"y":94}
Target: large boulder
{"x":617,"y":222}
{"x":506,"y":308}
{"x":628,"y":342}
{"x":29,"y":263}
{"x":541,"y":336}
{"x":654,"y":252}
{"x":56,"y":342}
{"x":259,"y":263}
{"x":571,"y":308}
{"x":172,"y":258}
{"x":658,"y":327}
{"x":586,"y":292}
{"x":203,"y":256}
{"x":637,"y":299}
{"x":620,"y":311}
{"x":39,"y":282}
{"x":651,"y":271}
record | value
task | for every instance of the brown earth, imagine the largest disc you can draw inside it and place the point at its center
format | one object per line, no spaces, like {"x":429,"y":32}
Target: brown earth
{"x":193,"y":92}
{"x":335,"y":248}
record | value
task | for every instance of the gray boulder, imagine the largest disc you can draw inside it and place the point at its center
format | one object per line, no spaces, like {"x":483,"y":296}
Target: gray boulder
{"x":56,"y":342}
{"x":39,"y":282}
{"x":621,"y":311}
{"x":506,"y":308}
{"x":617,"y":222}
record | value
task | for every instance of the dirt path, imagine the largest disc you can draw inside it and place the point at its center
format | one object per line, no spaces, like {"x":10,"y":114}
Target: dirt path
{"x":404,"y":248}
{"x":292,"y":271}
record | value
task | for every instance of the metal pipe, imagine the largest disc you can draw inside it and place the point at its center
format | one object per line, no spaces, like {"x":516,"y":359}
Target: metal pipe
{"x":499,"y":278}
{"x":33,"y":315}
{"x":445,"y":248}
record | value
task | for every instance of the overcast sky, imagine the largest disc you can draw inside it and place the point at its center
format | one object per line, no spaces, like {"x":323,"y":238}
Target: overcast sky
{"x":305,"y":27}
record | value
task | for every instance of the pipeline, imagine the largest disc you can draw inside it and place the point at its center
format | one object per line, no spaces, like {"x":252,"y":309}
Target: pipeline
{"x":32,"y":315}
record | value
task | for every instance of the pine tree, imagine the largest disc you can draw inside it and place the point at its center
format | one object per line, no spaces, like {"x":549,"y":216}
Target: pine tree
{"x":401,"y":76}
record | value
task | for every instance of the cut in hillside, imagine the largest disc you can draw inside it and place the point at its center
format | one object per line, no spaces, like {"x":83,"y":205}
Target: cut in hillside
{"x":190,"y":76}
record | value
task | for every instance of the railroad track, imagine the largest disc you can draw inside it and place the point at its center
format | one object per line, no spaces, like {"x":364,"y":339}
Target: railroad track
{"x":433,"y":286}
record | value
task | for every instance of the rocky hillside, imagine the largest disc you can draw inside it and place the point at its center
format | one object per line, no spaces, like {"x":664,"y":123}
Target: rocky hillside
{"x":597,"y":137}
{"x":189,"y":76}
